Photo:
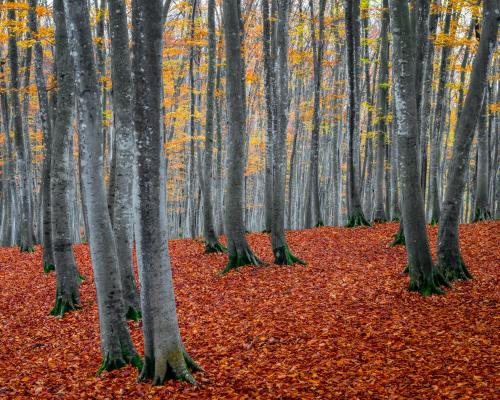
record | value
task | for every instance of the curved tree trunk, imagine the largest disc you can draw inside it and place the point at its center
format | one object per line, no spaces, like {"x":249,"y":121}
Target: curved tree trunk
{"x":123,"y":156}
{"x":164,"y":354}
{"x":417,"y":245}
{"x":116,"y":346}
{"x":450,"y":259}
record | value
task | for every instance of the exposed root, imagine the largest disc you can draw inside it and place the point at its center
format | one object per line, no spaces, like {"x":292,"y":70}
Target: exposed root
{"x":26,"y":249}
{"x":482,"y":215}
{"x":110,"y":364}
{"x":399,"y":239}
{"x":64,"y":305}
{"x":283,"y":256}
{"x":133,"y":314}
{"x":178,"y":365}
{"x":48,"y":267}
{"x":246,"y":257}
{"x":357,"y":219}
{"x":214,"y":247}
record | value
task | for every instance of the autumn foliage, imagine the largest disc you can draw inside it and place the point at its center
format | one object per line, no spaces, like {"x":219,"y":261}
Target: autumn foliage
{"x":343,"y":327}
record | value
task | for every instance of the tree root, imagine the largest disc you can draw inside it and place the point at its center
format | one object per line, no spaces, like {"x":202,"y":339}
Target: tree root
{"x":214,"y":247}
{"x":64,"y":305}
{"x":283,"y":256}
{"x":458,"y":272}
{"x":428,"y":287}
{"x":26,"y":249}
{"x":110,"y":364}
{"x":246,"y":257}
{"x":482,"y":215}
{"x":178,"y":365}
{"x":357,"y":219}
{"x":48,"y":267}
{"x":133,"y":314}
{"x":399,"y":239}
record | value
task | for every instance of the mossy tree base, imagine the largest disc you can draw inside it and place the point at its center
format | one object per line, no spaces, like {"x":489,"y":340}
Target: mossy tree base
{"x":482,"y":215}
{"x":283,"y":256}
{"x":26,"y":249}
{"x":65,"y":304}
{"x":133,"y":314}
{"x":434,"y":222}
{"x":379,"y":220}
{"x":428,"y":287}
{"x":112,"y":363}
{"x":457,"y":272}
{"x":357,"y":219}
{"x":399,"y":239}
{"x":319,"y":224}
{"x":214,"y":247}
{"x":242,"y":258}
{"x":179,"y":366}
{"x":48,"y":267}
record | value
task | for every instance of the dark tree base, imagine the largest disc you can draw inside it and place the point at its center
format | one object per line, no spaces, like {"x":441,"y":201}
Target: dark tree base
{"x":133,"y":314}
{"x":26,"y":249}
{"x":428,"y":287}
{"x":110,"y":364}
{"x":482,"y":215}
{"x":246,"y":257}
{"x":434,"y":222}
{"x":399,"y":239}
{"x":48,"y":267}
{"x":319,"y":224}
{"x":214,"y":247}
{"x":283,"y":256}
{"x":425,"y":290}
{"x":456,"y":271}
{"x":180,"y":366}
{"x":64,"y":305}
{"x":379,"y":220}
{"x":357,"y":219}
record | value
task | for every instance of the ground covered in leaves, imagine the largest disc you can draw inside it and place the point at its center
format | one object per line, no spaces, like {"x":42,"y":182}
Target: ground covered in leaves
{"x":344,"y":327}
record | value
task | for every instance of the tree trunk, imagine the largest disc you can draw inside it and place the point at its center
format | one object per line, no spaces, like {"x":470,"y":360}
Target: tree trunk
{"x":67,"y":278}
{"x":26,"y":222}
{"x":482,"y":207}
{"x":449,"y":255}
{"x":123,"y":156}
{"x":116,"y":346}
{"x":354,"y":209}
{"x":240,"y":252}
{"x":164,"y":353}
{"x":212,"y":244}
{"x":417,"y":245}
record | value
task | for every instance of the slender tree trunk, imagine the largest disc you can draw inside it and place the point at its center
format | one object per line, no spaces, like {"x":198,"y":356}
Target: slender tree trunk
{"x":67,"y":278}
{"x":116,"y":346}
{"x":482,"y":207}
{"x":211,"y":241}
{"x":449,"y":255}
{"x":123,"y":156}
{"x":240,"y":252}
{"x":26,"y":222}
{"x":164,"y":353}
{"x":417,"y":245}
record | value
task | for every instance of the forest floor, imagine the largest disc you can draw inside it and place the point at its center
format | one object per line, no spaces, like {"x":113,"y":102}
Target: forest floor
{"x":343,"y":327}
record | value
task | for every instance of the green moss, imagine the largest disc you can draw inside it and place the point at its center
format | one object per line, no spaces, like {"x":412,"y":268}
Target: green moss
{"x":357,"y":219}
{"x":81,"y":278}
{"x":456,"y":271}
{"x":434,"y":222}
{"x":215,"y":247}
{"x":399,"y":239}
{"x":48,"y":267}
{"x":133,"y":314}
{"x":110,"y":364}
{"x":240,"y":260}
{"x":26,"y":249}
{"x":63,"y":306}
{"x":482,"y":215}
{"x":283,"y":256}
{"x":179,"y":367}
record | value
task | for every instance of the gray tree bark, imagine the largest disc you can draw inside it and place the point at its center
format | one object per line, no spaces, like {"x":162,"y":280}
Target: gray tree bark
{"x":164,"y":353}
{"x":117,"y":348}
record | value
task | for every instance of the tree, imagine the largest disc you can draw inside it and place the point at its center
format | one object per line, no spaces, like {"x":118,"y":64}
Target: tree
{"x":67,"y":277}
{"x":164,"y":353}
{"x":449,"y":256}
{"x":420,"y":265}
{"x":282,"y":254}
{"x":212,"y":244}
{"x":23,"y":168}
{"x":313,"y":206}
{"x":117,"y":348}
{"x":354,"y":210}
{"x":123,"y":157}
{"x":239,"y":250}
